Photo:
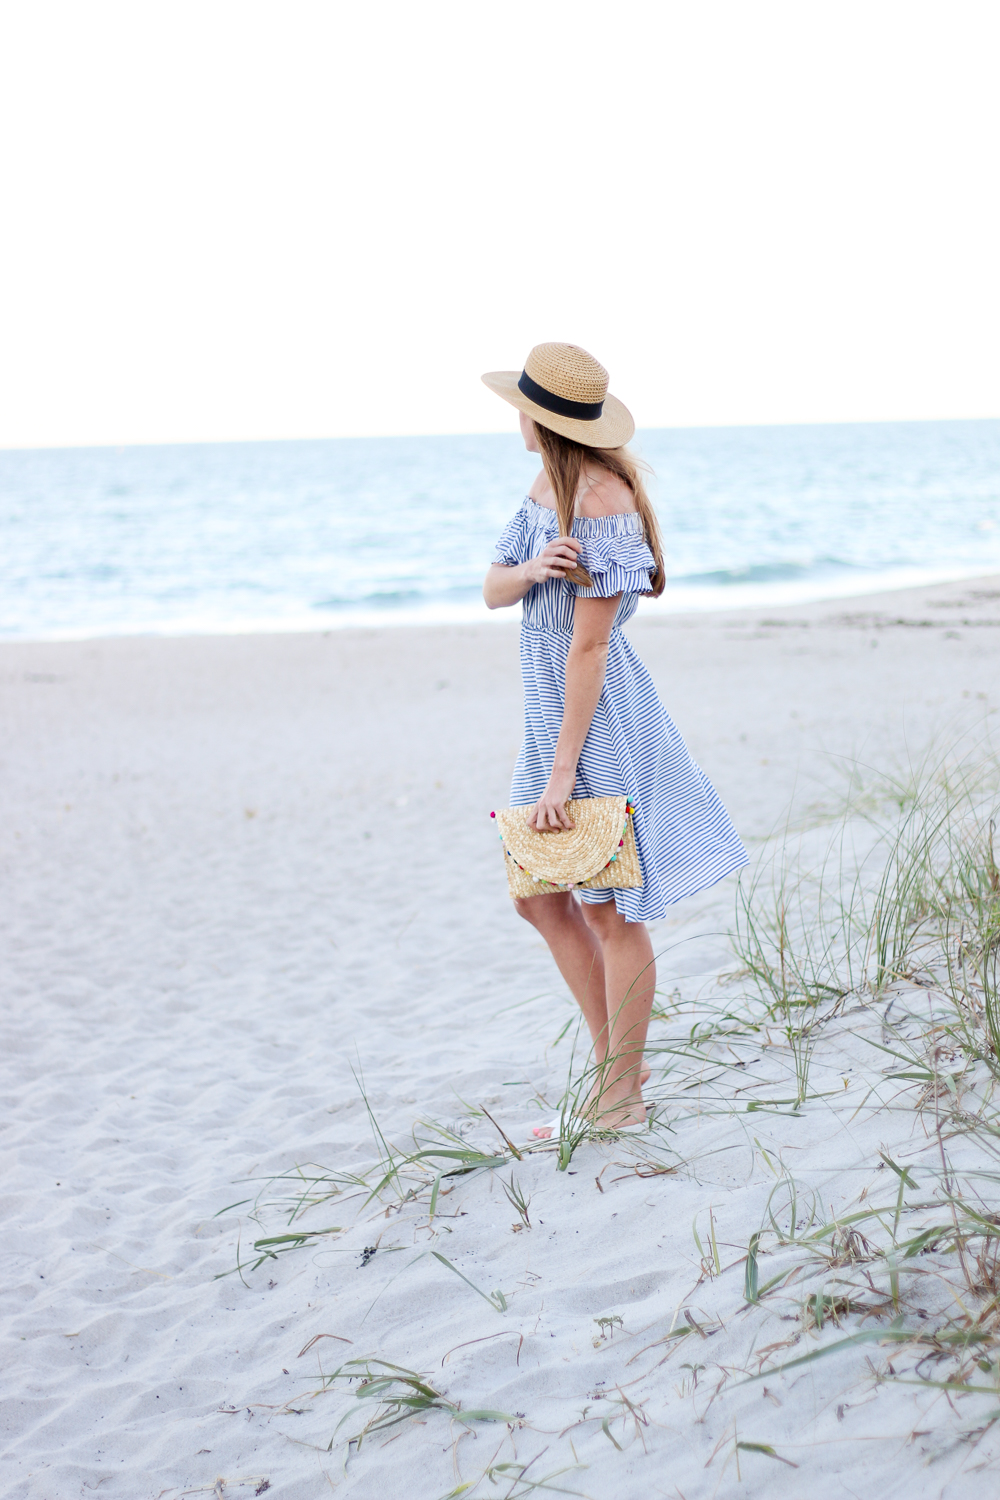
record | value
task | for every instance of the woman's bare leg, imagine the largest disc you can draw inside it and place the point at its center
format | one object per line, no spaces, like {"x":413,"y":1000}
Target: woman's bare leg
{"x":630,"y":984}
{"x":607,"y":964}
{"x":577,"y":953}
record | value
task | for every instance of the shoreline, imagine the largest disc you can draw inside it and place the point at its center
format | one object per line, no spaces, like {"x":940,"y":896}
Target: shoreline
{"x":697,"y":600}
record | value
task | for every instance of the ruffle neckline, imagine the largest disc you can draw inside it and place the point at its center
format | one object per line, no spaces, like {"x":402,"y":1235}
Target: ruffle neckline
{"x":608,"y":541}
{"x":620,"y":524}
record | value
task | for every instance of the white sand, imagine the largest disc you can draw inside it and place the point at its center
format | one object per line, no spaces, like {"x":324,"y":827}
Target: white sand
{"x":236,"y":868}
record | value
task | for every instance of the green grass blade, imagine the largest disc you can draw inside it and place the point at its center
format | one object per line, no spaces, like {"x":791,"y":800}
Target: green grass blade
{"x":767,"y":1449}
{"x":750,"y":1291}
{"x":610,"y":1435}
{"x":497,"y":1301}
{"x":868,"y":1336}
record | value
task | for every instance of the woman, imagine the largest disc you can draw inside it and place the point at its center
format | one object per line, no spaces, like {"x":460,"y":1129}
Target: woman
{"x":582,"y":548}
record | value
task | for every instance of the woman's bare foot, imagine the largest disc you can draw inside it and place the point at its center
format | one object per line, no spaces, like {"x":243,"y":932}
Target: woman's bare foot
{"x":599,"y":1100}
{"x":612,"y":1112}
{"x":616,"y":1113}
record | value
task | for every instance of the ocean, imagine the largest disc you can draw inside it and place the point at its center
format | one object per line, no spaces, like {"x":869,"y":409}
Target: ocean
{"x":221,"y":537}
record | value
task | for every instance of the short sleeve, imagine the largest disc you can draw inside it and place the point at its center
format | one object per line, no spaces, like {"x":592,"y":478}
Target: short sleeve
{"x":512,"y":544}
{"x":619,"y":564}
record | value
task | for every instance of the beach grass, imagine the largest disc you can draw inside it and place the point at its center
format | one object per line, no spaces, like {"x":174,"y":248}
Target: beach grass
{"x":873,"y":934}
{"x":399,"y":1394}
{"x":901,"y":899}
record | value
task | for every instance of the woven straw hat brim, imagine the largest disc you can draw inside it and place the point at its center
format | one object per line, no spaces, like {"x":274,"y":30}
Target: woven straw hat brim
{"x":574,"y":854}
{"x":612,"y":429}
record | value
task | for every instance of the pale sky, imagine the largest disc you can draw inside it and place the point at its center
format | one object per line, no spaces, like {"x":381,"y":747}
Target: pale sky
{"x":318,"y":219}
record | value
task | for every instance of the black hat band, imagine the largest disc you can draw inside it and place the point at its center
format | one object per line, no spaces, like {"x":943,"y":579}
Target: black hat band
{"x":584,"y":411}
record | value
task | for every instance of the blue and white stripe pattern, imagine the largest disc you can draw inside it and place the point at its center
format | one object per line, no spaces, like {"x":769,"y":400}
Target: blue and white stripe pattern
{"x":682,"y":831}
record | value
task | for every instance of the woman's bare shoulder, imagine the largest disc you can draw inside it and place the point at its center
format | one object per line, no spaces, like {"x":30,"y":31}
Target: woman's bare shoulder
{"x":541,"y":491}
{"x":604,"y":494}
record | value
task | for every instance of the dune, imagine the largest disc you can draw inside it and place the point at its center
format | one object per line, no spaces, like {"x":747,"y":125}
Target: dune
{"x":275,"y":1041}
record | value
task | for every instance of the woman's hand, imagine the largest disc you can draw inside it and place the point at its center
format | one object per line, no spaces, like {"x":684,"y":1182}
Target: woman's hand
{"x":549,"y":813}
{"x":555,"y":560}
{"x":506,"y":585}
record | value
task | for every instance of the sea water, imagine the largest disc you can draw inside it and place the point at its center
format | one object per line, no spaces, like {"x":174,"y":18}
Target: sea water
{"x":315,"y":535}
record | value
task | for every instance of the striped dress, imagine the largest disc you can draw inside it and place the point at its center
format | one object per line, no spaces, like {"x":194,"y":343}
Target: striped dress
{"x":682,"y":831}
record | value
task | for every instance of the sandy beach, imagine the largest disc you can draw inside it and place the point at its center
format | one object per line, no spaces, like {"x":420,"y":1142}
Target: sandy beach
{"x":255,"y":920}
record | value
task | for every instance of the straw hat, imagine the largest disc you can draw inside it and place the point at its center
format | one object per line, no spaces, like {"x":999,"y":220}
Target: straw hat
{"x":566,"y":389}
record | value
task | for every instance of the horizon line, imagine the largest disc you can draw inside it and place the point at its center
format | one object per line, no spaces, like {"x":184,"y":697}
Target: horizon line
{"x":229,"y":442}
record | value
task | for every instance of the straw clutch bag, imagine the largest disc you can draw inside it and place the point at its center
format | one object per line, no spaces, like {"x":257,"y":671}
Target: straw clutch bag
{"x":598,"y":852}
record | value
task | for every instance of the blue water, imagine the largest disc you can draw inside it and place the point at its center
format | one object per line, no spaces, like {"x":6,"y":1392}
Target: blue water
{"x":232,"y":536}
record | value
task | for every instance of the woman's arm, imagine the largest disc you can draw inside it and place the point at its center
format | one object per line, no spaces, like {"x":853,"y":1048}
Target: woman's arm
{"x":585,"y":668}
{"x":505,"y":585}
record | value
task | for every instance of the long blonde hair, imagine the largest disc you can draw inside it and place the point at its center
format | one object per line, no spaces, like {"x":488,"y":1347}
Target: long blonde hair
{"x":564,"y":460}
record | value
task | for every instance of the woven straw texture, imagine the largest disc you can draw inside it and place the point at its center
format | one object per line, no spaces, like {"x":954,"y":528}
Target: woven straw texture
{"x":568,"y":371}
{"x":544,"y":863}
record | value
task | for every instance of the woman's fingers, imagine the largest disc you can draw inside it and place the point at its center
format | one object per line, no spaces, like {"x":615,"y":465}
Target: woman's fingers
{"x":557,"y":565}
{"x":556,"y":559}
{"x":549,"y":817}
{"x":563,"y":552}
{"x":559,"y":557}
